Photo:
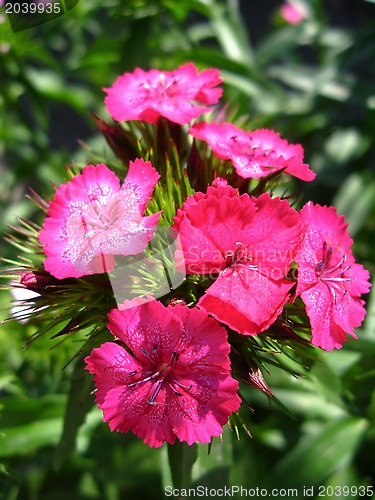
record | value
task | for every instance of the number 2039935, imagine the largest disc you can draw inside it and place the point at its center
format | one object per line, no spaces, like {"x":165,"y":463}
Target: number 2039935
{"x":345,"y":491}
{"x":32,"y":8}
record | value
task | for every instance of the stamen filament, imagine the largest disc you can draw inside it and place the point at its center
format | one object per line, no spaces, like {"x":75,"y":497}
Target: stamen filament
{"x":146,"y":379}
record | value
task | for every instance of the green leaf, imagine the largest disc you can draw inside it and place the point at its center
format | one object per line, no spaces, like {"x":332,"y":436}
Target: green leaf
{"x":319,"y":454}
{"x":51,"y":85}
{"x":355,"y":199}
{"x":25,"y":439}
{"x":20,"y":412}
{"x":305,"y":403}
{"x":29,"y":424}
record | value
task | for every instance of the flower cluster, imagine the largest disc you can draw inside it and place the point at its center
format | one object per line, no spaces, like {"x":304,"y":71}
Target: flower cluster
{"x":254,"y":270}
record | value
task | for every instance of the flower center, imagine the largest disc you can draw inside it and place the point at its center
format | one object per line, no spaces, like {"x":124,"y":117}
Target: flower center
{"x":89,"y":231}
{"x":159,"y":373}
{"x":98,"y":218}
{"x":331,"y":269}
{"x":251,"y":149}
{"x":163,"y":86}
{"x":240,"y":255}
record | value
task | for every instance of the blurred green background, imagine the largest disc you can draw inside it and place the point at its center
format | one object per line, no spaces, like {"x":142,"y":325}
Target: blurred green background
{"x":315,"y":83}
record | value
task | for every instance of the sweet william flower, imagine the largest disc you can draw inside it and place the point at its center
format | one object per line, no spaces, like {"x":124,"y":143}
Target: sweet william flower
{"x":330,"y":282}
{"x":248,"y":245}
{"x":180,"y":95}
{"x":254,"y":154}
{"x":173,"y":380}
{"x":91,"y":219}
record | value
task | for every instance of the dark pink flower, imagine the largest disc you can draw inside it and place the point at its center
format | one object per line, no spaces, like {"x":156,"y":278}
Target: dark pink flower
{"x":91,"y":219}
{"x":254,"y":154}
{"x":329,"y":281}
{"x":177,"y":95}
{"x":173,"y":380}
{"x":248,"y":244}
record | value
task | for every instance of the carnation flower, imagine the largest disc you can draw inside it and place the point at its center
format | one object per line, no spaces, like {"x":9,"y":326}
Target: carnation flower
{"x":173,"y":380}
{"x":91,"y":219}
{"x":254,"y":154}
{"x":248,"y":244}
{"x":177,"y":95}
{"x":330,"y":283}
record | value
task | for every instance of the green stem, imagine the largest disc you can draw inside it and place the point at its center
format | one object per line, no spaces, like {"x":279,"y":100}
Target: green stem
{"x":181,"y":458}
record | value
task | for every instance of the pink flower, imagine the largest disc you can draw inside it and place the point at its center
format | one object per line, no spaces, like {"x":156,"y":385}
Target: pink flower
{"x":291,"y":14}
{"x":329,"y":281}
{"x":176,"y":95}
{"x":174,"y":378}
{"x":248,"y":244}
{"x":254,"y":154}
{"x":91,"y":219}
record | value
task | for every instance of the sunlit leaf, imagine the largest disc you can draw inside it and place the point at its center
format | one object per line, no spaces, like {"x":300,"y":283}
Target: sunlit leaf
{"x":320,"y":454}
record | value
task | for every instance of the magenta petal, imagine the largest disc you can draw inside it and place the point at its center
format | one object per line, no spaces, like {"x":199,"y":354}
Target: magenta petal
{"x":349,"y":313}
{"x":245,"y":300}
{"x":250,"y":243}
{"x":269,"y":149}
{"x":203,"y":410}
{"x":111,"y":365}
{"x":223,"y":138}
{"x":201,"y":86}
{"x":275,"y":235}
{"x":127,"y":409}
{"x":99,"y":181}
{"x":176,"y":95}
{"x":324,"y":224}
{"x":91,"y":219}
{"x":145,"y":325}
{"x":361,"y":282}
{"x":329,"y":281}
{"x":175,"y":382}
{"x":141,"y":180}
{"x":203,"y":342}
{"x":210,"y":229}
{"x":254,"y":154}
{"x":325,"y":332}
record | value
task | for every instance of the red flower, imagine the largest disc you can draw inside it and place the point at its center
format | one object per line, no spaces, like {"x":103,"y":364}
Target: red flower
{"x":174,"y":382}
{"x":91,"y":219}
{"x":248,"y":244}
{"x":177,"y":95}
{"x":254,"y":154}
{"x":329,"y":281}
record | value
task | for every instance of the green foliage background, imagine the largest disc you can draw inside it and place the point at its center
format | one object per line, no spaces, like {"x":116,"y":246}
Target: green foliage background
{"x":313,"y":82}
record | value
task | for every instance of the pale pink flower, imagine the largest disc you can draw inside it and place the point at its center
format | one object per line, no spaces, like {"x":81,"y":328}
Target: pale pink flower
{"x":179,"y":95}
{"x":248,"y":245}
{"x":91,"y":219}
{"x":291,"y":14}
{"x":254,"y":154}
{"x":173,"y":380}
{"x":330,"y":283}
